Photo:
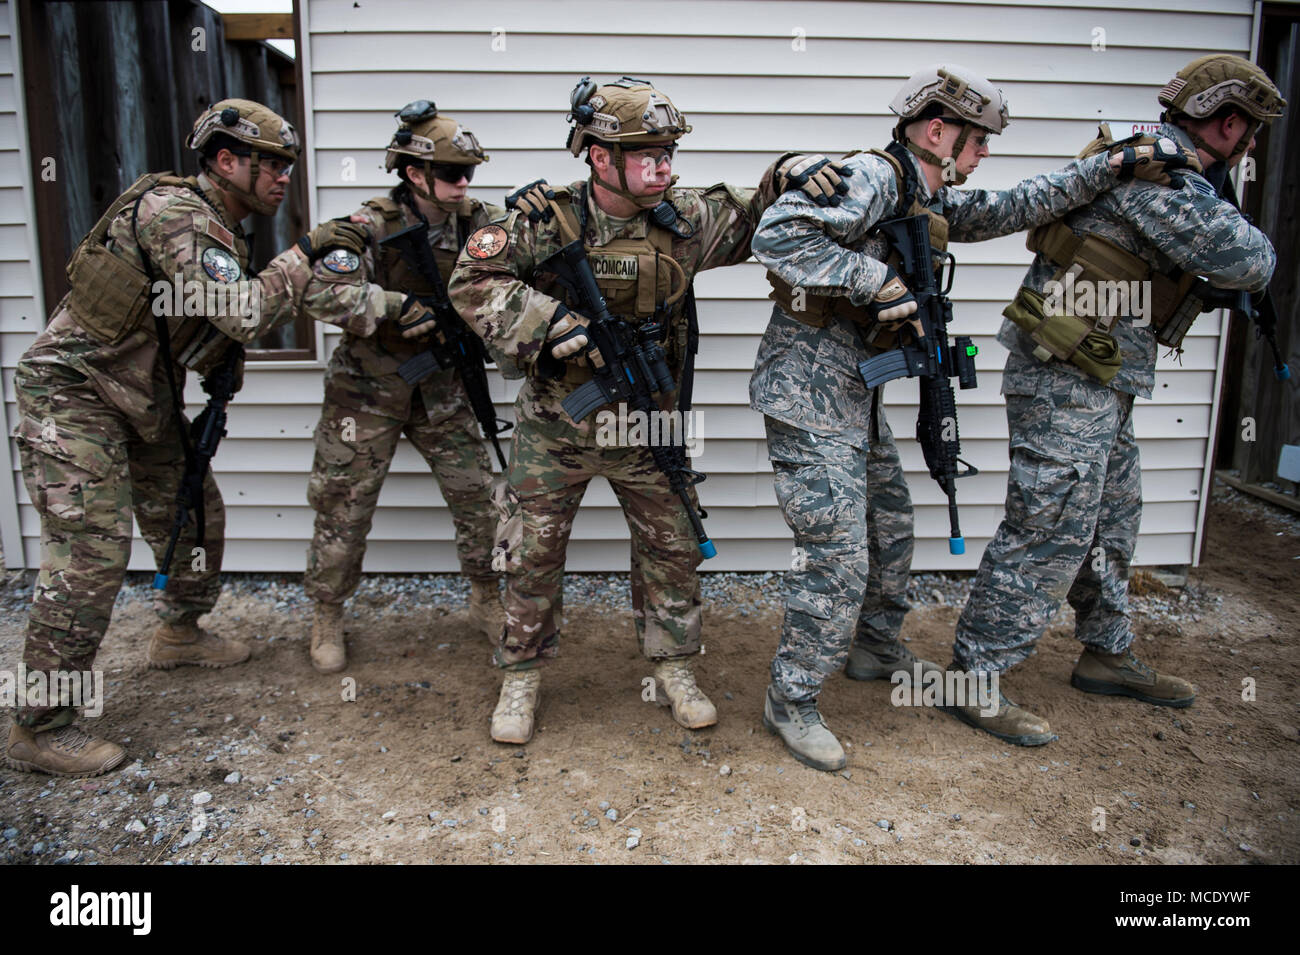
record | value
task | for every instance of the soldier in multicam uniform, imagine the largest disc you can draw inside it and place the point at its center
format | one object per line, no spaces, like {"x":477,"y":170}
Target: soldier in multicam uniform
{"x":1074,"y":495}
{"x":99,"y":434}
{"x":368,"y":405}
{"x":644,"y":264}
{"x":839,"y":298}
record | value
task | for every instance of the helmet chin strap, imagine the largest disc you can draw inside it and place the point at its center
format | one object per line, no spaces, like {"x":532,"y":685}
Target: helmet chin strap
{"x":646,"y":201}
{"x":959,"y":178}
{"x":248,"y":198}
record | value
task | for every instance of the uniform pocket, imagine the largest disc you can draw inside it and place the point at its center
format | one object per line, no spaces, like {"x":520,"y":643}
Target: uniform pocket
{"x":57,"y":465}
{"x":1045,"y":488}
{"x":329,"y":481}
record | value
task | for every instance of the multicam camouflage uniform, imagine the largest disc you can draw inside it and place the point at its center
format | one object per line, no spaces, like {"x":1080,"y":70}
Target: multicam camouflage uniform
{"x":503,"y":287}
{"x":97,"y":434}
{"x":838,"y":477}
{"x":368,"y":406}
{"x":1074,"y":496}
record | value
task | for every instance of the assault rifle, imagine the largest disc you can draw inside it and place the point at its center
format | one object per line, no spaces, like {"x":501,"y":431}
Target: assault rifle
{"x":930,"y":357}
{"x":206,"y":432}
{"x":454,"y":344}
{"x":1256,"y":306}
{"x":629,"y":366}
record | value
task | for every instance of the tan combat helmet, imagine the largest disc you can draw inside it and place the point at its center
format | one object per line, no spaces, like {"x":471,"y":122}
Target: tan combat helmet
{"x":952,"y":93}
{"x":1207,"y":84}
{"x":435,"y":141}
{"x":263,"y":131}
{"x":627,"y":114}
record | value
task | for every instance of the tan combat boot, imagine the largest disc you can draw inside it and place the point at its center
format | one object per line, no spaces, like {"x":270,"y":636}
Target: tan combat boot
{"x":881,"y":662}
{"x":512,"y":720}
{"x":485,"y":612}
{"x":675,"y":680}
{"x":187,"y":645}
{"x":66,"y":751}
{"x":804,"y":732}
{"x":328,"y":654}
{"x":1011,"y":723}
{"x":1123,"y":674}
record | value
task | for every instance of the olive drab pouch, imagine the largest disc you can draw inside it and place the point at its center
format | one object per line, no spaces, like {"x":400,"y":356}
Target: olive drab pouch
{"x":110,"y":296}
{"x":1067,"y":337}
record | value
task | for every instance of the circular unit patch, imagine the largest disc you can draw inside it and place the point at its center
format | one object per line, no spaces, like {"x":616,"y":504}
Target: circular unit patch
{"x":220,"y":264}
{"x":487,"y":242}
{"x":341,"y":260}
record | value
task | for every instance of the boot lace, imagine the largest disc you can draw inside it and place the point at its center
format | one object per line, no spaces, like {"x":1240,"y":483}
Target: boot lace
{"x":680,"y":677}
{"x":71,"y":739}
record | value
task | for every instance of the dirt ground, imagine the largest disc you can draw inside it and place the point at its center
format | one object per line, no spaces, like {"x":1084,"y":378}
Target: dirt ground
{"x":268,"y":763}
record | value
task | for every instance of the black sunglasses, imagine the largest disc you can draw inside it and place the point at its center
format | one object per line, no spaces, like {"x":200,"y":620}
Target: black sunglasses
{"x":452,"y":172}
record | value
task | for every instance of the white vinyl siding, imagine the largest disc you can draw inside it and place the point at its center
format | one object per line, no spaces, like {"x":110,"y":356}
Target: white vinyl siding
{"x":731,"y":67}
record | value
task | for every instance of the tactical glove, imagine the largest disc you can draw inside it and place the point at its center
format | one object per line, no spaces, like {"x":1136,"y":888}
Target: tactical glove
{"x":894,"y":304}
{"x":567,"y":337}
{"x":531,"y":200}
{"x":334,"y":234}
{"x":820,"y":179}
{"x":1153,"y":159}
{"x":416,"y":318}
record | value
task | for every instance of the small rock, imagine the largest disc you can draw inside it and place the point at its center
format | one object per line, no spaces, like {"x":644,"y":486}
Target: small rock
{"x":233,"y":778}
{"x":161,"y":801}
{"x":1244,"y":847}
{"x":883,"y":823}
{"x":135,"y":825}
{"x":724,"y":770}
{"x":38,"y":848}
{"x":1160,"y":734}
{"x":203,"y":798}
{"x":390,"y":815}
{"x":11,"y":834}
{"x":1135,"y":841}
{"x":268,"y":859}
{"x":611,"y":815}
{"x":190,"y":838}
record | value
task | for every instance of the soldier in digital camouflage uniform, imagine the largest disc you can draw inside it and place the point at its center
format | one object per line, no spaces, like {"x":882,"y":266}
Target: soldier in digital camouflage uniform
{"x":1074,"y":496}
{"x":644,"y":265}
{"x":839,"y":298}
{"x":368,"y":405}
{"x":99,"y":434}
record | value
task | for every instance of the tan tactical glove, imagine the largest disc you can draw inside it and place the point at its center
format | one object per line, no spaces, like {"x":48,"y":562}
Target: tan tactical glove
{"x":1154,"y":159}
{"x":567,"y":337}
{"x":532,"y":200}
{"x":821,"y":180}
{"x":334,"y":234}
{"x":894,"y":303}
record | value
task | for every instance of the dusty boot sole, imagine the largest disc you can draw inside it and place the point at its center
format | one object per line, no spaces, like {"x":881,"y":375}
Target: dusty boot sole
{"x":1027,"y":739}
{"x":1088,"y":685}
{"x":26,"y":767}
{"x":806,"y":760}
{"x":661,"y":697}
{"x":320,"y":669}
{"x":173,"y":664}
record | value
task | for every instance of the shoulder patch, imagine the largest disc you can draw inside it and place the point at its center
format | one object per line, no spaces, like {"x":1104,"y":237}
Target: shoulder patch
{"x":220,"y":264}
{"x":341,"y":260}
{"x":219,"y":232}
{"x":487,"y":242}
{"x":1201,"y":185}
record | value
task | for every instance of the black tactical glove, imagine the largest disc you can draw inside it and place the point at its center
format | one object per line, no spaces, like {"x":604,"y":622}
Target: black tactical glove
{"x":531,"y":200}
{"x":335,"y":234}
{"x":567,"y":338}
{"x":820,"y":179}
{"x":894,"y":304}
{"x":415,"y":318}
